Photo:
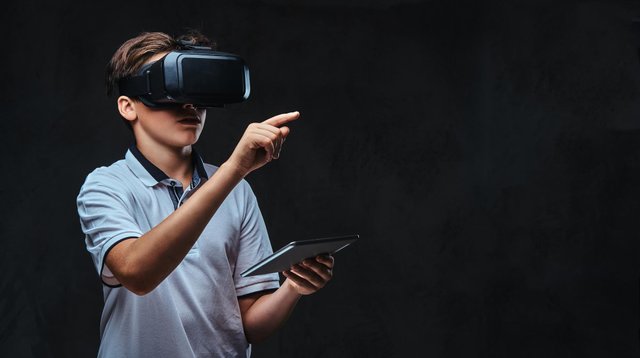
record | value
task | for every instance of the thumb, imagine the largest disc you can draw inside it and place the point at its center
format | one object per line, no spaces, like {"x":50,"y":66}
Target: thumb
{"x":285,"y":132}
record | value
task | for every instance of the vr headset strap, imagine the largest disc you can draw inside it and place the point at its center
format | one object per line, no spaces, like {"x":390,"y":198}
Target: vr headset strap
{"x":135,"y":86}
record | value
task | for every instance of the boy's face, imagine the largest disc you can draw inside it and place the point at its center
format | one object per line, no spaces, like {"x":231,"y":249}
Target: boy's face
{"x":175,"y":126}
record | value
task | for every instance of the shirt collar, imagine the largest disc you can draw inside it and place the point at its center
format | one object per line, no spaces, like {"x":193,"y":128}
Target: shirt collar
{"x":151,"y":175}
{"x":198,"y":164}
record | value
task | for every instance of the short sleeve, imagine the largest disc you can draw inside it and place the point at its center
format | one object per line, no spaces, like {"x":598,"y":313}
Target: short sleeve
{"x":254,"y":245}
{"x":106,"y":219}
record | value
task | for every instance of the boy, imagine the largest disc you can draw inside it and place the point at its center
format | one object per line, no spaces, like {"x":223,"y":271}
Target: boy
{"x":170,"y":235}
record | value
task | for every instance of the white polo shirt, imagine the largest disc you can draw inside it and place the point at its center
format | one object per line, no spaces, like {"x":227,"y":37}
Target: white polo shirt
{"x":194,"y":312}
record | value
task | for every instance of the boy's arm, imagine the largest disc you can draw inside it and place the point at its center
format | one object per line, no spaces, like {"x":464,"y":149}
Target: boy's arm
{"x":263,"y":312}
{"x":141,"y":264}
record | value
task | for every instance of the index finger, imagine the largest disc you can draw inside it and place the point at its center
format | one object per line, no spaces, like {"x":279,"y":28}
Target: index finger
{"x":281,"y":119}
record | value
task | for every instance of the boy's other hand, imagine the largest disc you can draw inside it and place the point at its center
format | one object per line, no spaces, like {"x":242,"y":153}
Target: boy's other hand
{"x":310,"y":275}
{"x":261,"y":143}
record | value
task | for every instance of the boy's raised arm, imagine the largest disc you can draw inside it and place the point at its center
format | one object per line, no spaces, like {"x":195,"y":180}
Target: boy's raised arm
{"x":140,"y":264}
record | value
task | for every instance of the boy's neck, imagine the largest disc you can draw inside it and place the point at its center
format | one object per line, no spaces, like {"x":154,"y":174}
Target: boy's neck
{"x":175,"y":162}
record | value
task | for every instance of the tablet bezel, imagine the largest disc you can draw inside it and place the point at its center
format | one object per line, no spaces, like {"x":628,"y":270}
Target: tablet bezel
{"x":346,"y":240}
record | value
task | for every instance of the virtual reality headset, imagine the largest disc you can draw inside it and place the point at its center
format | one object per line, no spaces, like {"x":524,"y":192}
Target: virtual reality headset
{"x":194,"y":75}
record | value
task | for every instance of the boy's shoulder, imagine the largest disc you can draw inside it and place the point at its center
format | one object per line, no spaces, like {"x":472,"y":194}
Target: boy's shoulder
{"x":115,"y":178}
{"x":117,"y":171}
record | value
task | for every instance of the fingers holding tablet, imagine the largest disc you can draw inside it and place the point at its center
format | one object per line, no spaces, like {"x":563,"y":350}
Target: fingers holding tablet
{"x":310,"y":275}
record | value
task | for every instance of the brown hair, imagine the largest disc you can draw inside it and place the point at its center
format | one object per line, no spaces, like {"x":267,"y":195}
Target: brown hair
{"x":133,"y":53}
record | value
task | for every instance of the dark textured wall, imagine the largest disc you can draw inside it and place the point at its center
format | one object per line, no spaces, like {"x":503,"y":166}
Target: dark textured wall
{"x":488,"y":153}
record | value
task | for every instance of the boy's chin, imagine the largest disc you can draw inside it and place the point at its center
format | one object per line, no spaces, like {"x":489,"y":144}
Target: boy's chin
{"x":186,"y":139}
{"x":184,"y":142}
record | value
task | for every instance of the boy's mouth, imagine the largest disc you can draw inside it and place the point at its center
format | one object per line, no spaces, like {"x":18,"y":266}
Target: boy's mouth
{"x":190,"y":120}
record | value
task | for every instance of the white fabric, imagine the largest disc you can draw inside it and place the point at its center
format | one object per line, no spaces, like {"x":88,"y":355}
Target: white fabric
{"x":194,"y":312}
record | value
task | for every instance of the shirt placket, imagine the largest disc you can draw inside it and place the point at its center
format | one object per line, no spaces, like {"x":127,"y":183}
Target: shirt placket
{"x":176,"y":192}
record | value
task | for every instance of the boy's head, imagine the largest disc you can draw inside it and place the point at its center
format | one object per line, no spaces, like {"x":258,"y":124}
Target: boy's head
{"x":135,"y":52}
{"x":175,"y":126}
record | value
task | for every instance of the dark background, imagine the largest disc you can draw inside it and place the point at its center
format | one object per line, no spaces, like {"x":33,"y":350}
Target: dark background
{"x":487,"y":152}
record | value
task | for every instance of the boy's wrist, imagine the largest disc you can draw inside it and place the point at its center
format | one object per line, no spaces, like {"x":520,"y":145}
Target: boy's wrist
{"x":291,"y":290}
{"x":236,"y":171}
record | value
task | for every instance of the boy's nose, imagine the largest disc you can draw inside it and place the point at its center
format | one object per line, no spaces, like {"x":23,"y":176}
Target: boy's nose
{"x":188,"y":106}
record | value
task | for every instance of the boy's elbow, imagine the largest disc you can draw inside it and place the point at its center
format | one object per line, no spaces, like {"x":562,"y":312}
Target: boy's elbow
{"x":139,"y":290}
{"x":133,"y":273}
{"x":136,"y":282}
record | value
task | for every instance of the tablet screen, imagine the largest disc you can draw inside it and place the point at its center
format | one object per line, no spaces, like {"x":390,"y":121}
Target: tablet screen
{"x":296,"y":251}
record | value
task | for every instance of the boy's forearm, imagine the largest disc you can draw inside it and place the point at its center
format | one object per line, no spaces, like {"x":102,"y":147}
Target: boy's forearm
{"x":263,"y":315}
{"x":140,"y":265}
{"x":269,"y":312}
{"x":143,"y":263}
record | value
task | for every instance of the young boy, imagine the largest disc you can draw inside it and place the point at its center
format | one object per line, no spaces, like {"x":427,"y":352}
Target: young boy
{"x":170,"y":235}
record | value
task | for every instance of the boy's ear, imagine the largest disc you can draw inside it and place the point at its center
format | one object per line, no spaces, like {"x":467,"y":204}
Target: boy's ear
{"x":127,"y":108}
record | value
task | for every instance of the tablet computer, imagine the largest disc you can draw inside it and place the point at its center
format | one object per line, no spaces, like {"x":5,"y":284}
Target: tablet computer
{"x":296,"y":251}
